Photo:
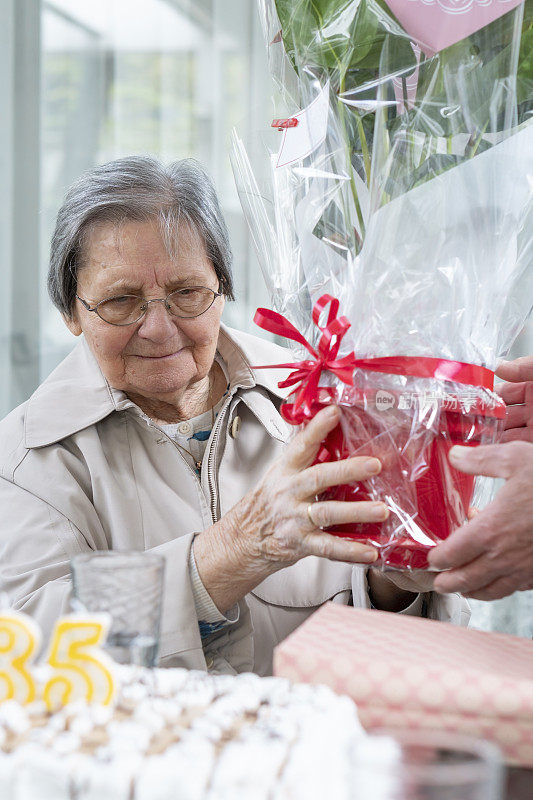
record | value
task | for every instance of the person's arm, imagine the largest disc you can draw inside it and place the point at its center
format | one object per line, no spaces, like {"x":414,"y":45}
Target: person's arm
{"x":266,"y":531}
{"x":270,"y":528}
{"x":491,"y":556}
{"x":36,"y":545}
{"x":37,"y":542}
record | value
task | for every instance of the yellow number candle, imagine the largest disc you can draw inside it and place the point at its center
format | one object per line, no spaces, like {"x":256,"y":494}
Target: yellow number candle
{"x":20,"y":639}
{"x":80,"y":669}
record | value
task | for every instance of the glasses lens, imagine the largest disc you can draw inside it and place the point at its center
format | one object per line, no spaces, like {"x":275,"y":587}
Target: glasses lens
{"x":190,"y":302}
{"x":121,"y":310}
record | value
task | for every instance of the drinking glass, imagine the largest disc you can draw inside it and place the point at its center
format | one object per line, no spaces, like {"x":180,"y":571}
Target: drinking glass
{"x":129,"y":587}
{"x":427,"y":765}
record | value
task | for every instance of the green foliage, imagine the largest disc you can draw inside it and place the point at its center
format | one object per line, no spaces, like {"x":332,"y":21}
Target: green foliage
{"x":354,"y":42}
{"x":462,"y":90}
{"x":525,"y":65}
{"x":341,"y":37}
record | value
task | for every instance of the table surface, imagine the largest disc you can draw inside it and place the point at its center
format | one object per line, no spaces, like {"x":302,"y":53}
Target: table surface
{"x":519,"y":784}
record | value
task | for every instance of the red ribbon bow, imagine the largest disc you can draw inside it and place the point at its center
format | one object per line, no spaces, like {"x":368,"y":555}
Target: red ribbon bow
{"x":307,"y":373}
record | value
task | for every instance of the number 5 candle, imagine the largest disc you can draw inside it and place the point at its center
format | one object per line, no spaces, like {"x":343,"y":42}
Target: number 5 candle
{"x":80,"y":670}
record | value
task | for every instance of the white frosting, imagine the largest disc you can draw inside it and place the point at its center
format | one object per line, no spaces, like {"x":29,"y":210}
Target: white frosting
{"x":176,"y":733}
{"x":264,"y":758}
{"x":7,"y":773}
{"x":14,"y":718}
{"x":182,"y":772}
{"x":66,"y":742}
{"x":377,"y":769}
{"x":108,"y":781}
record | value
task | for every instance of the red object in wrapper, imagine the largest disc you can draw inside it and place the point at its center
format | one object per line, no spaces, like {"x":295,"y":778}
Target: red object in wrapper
{"x":440,"y":495}
{"x":411,"y":430}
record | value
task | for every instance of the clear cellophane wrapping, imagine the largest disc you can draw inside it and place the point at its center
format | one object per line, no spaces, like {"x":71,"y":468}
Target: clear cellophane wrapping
{"x":413,"y":208}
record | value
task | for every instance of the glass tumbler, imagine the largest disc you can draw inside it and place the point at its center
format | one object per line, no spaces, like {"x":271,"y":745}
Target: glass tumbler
{"x":427,"y":765}
{"x":129,"y":587}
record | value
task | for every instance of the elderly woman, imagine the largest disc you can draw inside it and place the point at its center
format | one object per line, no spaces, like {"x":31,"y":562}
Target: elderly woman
{"x":156,"y":434}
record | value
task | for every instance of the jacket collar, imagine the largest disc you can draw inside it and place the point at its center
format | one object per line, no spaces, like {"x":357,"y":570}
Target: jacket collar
{"x":76,"y":394}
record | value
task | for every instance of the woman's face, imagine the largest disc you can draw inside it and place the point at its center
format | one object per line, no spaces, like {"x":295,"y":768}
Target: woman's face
{"x":160,"y":356}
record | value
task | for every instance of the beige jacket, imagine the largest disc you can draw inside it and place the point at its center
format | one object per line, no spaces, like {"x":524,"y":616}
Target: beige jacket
{"x":81,"y":468}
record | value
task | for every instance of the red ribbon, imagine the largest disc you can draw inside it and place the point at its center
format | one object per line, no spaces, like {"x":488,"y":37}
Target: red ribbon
{"x":306,"y":374}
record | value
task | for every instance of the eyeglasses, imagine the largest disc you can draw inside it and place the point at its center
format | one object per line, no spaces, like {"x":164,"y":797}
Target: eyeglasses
{"x":126,"y":309}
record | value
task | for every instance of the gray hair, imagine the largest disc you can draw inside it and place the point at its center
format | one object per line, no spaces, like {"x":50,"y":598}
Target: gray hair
{"x":137,"y":188}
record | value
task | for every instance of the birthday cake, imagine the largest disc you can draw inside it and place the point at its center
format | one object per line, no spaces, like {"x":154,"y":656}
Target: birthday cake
{"x":181,"y":735}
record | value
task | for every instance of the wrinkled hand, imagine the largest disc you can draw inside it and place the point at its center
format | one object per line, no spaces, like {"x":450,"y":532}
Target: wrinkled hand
{"x":491,"y":556}
{"x":272,"y":523}
{"x":270,"y":528}
{"x":517,"y":393}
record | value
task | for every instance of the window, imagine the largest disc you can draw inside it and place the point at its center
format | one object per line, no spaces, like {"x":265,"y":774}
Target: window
{"x":96,"y":81}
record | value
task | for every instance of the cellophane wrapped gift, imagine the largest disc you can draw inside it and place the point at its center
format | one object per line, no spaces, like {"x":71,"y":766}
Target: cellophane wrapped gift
{"x":390,"y":204}
{"x":406,"y":672}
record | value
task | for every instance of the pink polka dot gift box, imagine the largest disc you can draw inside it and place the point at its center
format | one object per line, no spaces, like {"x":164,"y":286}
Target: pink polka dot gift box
{"x":407,"y":672}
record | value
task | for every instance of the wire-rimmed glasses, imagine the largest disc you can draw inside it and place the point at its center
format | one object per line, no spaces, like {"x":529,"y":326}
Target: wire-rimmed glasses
{"x":126,"y":309}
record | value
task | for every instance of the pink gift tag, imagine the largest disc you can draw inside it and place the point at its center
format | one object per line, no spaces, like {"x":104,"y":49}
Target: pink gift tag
{"x":436,"y":24}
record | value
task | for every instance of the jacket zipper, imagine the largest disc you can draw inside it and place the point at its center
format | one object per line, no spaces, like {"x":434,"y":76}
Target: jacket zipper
{"x":211,"y":457}
{"x":211,"y":460}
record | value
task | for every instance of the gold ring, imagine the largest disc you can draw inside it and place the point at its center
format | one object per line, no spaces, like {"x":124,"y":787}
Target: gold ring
{"x":311,"y":520}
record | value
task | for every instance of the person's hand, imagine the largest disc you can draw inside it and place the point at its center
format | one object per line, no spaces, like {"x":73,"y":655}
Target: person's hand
{"x":517,"y":393}
{"x":491,"y":556}
{"x":279,"y":522}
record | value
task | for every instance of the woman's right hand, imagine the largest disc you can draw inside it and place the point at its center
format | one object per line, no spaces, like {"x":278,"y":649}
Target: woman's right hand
{"x":279,"y":522}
